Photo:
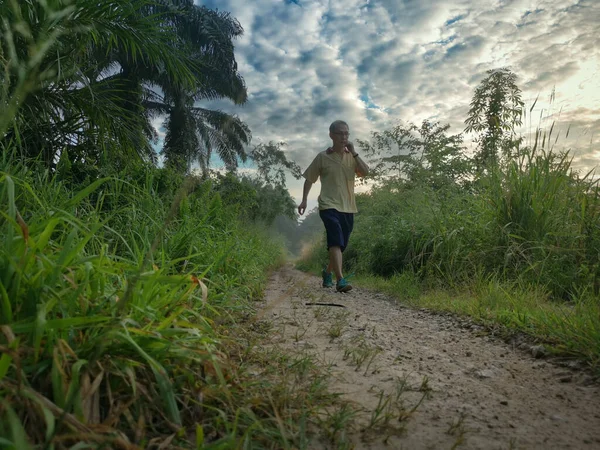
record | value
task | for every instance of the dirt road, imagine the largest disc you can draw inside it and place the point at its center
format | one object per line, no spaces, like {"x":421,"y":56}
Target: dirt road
{"x":419,"y":380}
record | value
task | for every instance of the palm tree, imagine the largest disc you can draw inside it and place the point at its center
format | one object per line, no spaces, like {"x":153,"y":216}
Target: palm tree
{"x":103,"y":70}
{"x":193,"y":133}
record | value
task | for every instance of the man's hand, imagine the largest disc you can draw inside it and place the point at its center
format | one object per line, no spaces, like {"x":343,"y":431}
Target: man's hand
{"x":302,"y":207}
{"x":350,"y":147}
{"x":361,"y":167}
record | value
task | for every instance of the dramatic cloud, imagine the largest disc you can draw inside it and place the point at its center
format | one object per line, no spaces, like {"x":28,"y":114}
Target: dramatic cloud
{"x":376,"y":62}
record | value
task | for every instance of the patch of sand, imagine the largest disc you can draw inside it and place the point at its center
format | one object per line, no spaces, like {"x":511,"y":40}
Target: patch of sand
{"x":476,"y":391}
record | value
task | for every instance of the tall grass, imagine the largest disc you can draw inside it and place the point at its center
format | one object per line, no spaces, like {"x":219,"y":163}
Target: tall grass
{"x":533,"y":221}
{"x":547,"y":218}
{"x":115,"y":312}
{"x":125,"y":290}
{"x":528,"y":225}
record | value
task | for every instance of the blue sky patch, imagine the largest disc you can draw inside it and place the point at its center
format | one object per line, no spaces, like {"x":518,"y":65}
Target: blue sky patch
{"x":454,"y":20}
{"x":364,"y":97}
{"x":528,"y":12}
{"x":446,"y":41}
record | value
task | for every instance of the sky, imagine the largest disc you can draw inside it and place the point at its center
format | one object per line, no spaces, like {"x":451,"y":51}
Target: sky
{"x":378,"y":63}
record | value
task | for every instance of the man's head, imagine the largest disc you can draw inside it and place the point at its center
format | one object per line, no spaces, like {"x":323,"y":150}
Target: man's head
{"x":339,"y":132}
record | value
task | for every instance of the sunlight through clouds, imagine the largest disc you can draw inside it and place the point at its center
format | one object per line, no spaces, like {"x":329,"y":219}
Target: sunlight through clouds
{"x":374,"y":63}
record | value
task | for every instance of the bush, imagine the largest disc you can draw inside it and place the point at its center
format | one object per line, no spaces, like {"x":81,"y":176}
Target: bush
{"x":533,"y":221}
{"x":111,"y":296}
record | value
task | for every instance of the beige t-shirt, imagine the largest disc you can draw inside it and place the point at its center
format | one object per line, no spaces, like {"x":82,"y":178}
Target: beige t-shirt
{"x":337,"y":180}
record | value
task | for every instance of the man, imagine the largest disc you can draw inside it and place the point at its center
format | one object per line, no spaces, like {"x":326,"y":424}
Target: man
{"x":336,"y":166}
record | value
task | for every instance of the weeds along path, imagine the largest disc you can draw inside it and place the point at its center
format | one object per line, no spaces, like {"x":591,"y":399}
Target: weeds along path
{"x":417,"y":380}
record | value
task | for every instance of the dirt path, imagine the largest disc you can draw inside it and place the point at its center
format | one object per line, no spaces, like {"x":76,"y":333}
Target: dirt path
{"x":476,"y":392}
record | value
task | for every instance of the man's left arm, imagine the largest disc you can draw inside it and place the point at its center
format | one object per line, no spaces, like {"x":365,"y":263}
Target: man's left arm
{"x":361,"y":167}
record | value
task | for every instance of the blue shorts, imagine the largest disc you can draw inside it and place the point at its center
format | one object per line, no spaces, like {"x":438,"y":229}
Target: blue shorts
{"x":338,"y":226}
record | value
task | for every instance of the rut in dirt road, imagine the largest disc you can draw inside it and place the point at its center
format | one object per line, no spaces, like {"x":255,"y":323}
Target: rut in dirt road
{"x":470,"y":389}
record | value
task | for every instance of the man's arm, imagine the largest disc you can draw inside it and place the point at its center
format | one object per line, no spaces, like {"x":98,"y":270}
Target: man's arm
{"x":361,"y":167}
{"x":305,"y":191}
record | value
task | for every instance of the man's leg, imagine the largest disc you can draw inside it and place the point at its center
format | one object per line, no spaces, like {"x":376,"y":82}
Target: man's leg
{"x":333,"y":230}
{"x":337,"y":234}
{"x":346,"y":224}
{"x":335,"y":252}
{"x":335,"y":262}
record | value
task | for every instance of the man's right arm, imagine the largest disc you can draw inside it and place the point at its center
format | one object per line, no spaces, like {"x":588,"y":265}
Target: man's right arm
{"x":305,"y":191}
{"x":311,"y":175}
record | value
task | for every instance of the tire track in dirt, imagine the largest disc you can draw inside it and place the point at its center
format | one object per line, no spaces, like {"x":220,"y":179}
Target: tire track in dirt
{"x":473,"y":390}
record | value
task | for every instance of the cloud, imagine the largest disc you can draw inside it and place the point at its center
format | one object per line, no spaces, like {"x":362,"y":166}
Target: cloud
{"x":375,"y":62}
{"x":553,"y":76}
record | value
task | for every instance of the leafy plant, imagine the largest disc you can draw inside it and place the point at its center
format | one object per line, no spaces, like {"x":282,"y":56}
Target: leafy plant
{"x":496,"y":111}
{"x":85,"y":78}
{"x":423,"y":155}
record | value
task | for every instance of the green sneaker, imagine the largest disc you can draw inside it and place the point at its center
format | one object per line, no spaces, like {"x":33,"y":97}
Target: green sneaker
{"x":342,"y":285}
{"x":327,"y":279}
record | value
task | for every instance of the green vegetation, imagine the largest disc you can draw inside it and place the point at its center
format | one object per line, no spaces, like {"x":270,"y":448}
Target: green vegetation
{"x":126,"y":289}
{"x":513,"y":240}
{"x":126,"y":316}
{"x":83,"y":80}
{"x":114,"y":302}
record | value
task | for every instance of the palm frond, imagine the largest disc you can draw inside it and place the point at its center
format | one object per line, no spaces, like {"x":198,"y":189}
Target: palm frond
{"x":223,"y":133}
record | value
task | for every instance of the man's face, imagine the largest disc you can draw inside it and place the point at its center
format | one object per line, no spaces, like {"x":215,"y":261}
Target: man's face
{"x":340,"y":135}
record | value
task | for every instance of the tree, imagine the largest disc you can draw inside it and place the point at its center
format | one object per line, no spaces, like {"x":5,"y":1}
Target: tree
{"x":272,"y":163}
{"x":424,"y":154}
{"x":60,"y":71}
{"x":103,"y":70}
{"x":496,"y":110}
{"x":270,"y":181}
{"x":193,"y":133}
{"x":254,"y":199}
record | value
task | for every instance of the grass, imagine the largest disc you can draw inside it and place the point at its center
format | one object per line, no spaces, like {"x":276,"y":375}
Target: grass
{"x":457,"y":428}
{"x":130,"y":326}
{"x":359,"y":353}
{"x":389,"y":417}
{"x":338,"y":423}
{"x":336,"y":328}
{"x":569,"y":329}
